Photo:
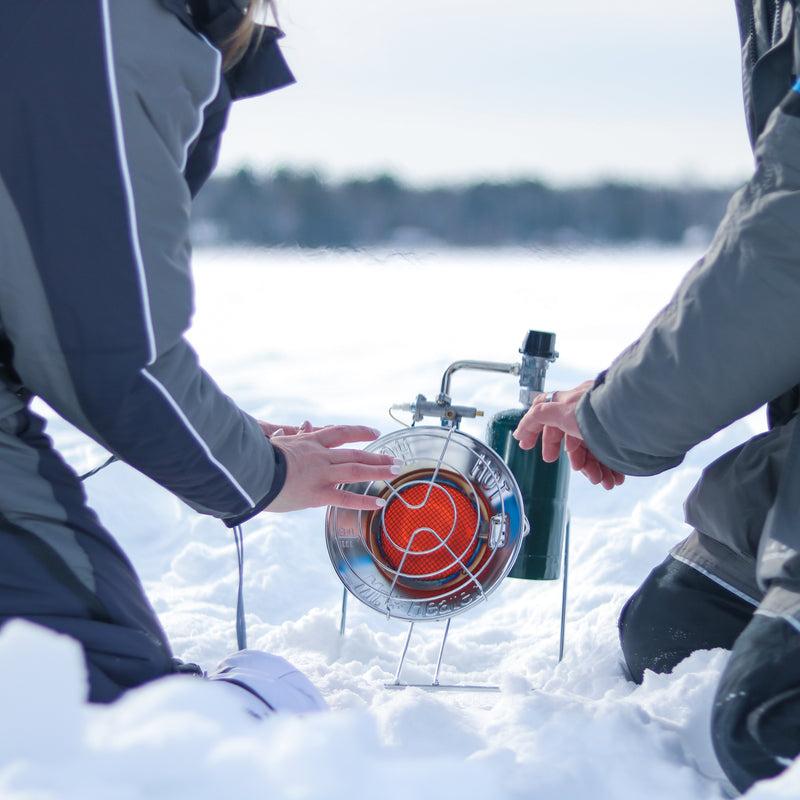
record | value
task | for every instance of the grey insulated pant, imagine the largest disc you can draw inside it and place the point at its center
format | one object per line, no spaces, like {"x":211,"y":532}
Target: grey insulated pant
{"x":61,"y":569}
{"x":705,"y":595}
{"x":754,"y":723}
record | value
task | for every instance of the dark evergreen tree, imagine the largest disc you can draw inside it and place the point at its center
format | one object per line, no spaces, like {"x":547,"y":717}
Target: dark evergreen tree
{"x":295,"y":208}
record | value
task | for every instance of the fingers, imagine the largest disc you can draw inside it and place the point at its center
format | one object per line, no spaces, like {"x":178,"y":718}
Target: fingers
{"x":574,"y":445}
{"x":553,"y":418}
{"x":618,"y":477}
{"x":603,"y":475}
{"x":557,"y":414}
{"x":555,"y":410}
{"x":314,"y":469}
{"x":551,"y":444}
{"x":361,"y":457}
{"x":271,"y":430}
{"x":329,"y":435}
{"x":336,"y":435}
{"x":595,"y":472}
{"x":351,"y":472}
{"x":576,"y":452}
{"x":268,"y":428}
{"x":535,"y":422}
{"x":359,"y":502}
{"x":583,"y":461}
{"x":528,"y":429}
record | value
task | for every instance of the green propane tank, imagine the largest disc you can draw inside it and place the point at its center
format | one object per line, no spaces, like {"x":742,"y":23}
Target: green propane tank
{"x":543,"y":486}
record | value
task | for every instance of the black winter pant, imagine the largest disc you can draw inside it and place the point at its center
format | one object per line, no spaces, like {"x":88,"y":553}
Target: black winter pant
{"x":61,"y":569}
{"x":756,"y":716}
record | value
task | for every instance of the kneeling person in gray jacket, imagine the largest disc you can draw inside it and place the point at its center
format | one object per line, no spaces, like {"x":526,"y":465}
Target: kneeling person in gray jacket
{"x":726,"y":344}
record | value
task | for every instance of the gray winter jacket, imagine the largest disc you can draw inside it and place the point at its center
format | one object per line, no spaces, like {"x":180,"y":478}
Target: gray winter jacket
{"x":729,"y":340}
{"x":95,"y":281}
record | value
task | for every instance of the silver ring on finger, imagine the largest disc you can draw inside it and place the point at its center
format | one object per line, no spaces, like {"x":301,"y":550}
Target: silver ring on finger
{"x":550,"y":396}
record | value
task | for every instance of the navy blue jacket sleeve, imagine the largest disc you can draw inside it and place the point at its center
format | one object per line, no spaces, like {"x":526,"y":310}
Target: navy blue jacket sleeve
{"x":106,"y":100}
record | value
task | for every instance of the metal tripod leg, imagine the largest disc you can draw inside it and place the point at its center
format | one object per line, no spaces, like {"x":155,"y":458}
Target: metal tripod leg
{"x":435,"y":685}
{"x":403,"y":656}
{"x":441,"y":653}
{"x":343,"y":618}
{"x":564,"y":593}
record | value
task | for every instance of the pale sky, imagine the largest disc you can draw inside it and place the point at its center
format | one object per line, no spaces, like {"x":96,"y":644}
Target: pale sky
{"x":457,"y":90}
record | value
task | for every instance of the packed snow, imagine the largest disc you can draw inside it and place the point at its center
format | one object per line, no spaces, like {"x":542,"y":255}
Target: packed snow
{"x":340,"y":337}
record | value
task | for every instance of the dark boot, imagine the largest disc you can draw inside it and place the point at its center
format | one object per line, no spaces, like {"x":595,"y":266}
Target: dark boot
{"x":755,"y":724}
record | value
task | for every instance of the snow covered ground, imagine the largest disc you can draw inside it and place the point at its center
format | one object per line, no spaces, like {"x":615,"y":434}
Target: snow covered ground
{"x":339,"y":337}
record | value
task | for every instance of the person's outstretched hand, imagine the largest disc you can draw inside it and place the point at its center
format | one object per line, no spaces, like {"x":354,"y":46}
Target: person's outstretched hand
{"x":314,"y":467}
{"x":555,"y":422}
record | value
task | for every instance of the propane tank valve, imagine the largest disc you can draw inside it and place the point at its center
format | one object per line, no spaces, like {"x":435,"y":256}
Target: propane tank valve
{"x":538,"y":352}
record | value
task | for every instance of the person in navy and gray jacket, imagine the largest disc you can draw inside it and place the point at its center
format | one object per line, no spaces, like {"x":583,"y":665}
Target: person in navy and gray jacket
{"x":726,"y":344}
{"x":110,"y":117}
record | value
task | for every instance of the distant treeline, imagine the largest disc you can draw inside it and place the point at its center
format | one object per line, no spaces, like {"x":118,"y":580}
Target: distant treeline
{"x":292,"y":208}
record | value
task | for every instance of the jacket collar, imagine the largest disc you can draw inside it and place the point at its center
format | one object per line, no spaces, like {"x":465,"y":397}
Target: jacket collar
{"x":262,"y":69}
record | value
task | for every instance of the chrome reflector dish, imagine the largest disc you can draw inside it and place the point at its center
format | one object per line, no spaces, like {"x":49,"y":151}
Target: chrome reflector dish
{"x":450,"y":531}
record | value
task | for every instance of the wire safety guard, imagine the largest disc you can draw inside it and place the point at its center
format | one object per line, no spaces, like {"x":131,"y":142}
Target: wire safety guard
{"x":450,"y":531}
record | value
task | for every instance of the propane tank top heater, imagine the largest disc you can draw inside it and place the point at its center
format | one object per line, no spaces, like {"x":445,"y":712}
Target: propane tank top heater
{"x":461,"y":516}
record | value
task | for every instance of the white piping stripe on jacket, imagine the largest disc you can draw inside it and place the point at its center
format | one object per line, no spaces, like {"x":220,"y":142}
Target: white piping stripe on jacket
{"x":126,"y":180}
{"x":137,"y":251}
{"x":198,"y":438}
{"x":201,"y":115}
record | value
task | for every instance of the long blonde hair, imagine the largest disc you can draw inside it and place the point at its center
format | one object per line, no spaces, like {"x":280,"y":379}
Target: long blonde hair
{"x":248,"y":30}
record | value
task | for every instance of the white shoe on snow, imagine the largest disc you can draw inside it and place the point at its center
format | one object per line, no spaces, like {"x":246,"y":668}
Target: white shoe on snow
{"x":267,"y":683}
